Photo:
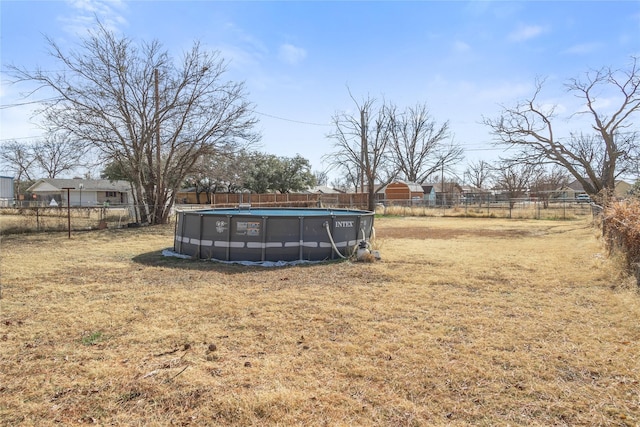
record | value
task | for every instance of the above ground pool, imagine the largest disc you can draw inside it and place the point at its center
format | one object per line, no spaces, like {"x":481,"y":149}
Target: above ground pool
{"x":271,"y":234}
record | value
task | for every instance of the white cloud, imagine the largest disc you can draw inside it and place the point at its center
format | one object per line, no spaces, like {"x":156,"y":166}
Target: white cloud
{"x":87,"y":5}
{"x":461,"y":47}
{"x":245,"y":39}
{"x":291,"y":54}
{"x":583,"y":48}
{"x":85,"y":12}
{"x":526,"y":32}
{"x":243,"y":51}
{"x":245,"y":54}
{"x":506,"y":91}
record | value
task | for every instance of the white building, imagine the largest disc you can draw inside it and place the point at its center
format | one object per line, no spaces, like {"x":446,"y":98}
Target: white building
{"x":6,"y":191}
{"x":82,"y":192}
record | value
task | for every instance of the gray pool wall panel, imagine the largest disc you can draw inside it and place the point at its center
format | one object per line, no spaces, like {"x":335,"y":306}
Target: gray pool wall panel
{"x":270,"y":234}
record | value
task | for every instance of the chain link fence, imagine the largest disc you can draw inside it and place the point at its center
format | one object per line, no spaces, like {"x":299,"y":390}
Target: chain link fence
{"x":511,"y":208}
{"x":38,"y":219}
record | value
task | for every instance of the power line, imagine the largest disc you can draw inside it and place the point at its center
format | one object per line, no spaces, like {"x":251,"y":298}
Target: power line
{"x":20,"y":104}
{"x":21,"y":137}
{"x":10,"y":70}
{"x":291,"y":120}
{"x":484,"y":149}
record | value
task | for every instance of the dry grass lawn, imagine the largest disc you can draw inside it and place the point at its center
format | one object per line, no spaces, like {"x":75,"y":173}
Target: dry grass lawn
{"x":464,"y":322}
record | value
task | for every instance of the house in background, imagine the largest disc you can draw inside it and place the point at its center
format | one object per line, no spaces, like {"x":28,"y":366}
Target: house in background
{"x":323,"y":189}
{"x":429,"y":195}
{"x":475,"y":195}
{"x":82,"y":192}
{"x":622,"y":189}
{"x":447,"y":193}
{"x":6,"y":191}
{"x":191,"y":196}
{"x":574,"y":189}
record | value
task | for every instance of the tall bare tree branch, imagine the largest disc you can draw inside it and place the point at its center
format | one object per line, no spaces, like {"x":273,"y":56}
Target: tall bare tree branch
{"x":107,"y":97}
{"x":479,"y":173}
{"x":418,"y":143}
{"x":595,"y":160}
{"x":57,"y":154}
{"x":363,"y":141}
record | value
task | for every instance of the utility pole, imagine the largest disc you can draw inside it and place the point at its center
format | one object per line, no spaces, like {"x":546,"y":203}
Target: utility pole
{"x":68,"y":208}
{"x":444,"y":194}
{"x":363,"y":146}
{"x":158,"y":157}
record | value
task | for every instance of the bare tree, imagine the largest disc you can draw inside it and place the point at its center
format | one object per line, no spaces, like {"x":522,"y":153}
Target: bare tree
{"x":51,"y":156}
{"x":18,"y":158}
{"x":547,"y":184}
{"x":349,"y":180}
{"x":322,"y":177}
{"x":514,"y":178}
{"x":152,"y":115}
{"x":57,"y":154}
{"x":617,"y":132}
{"x":418,"y":143}
{"x":479,"y":173}
{"x":594,"y":160}
{"x":200,"y":178}
{"x":362,"y":143}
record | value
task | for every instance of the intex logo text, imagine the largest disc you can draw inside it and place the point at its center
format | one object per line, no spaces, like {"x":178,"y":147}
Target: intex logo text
{"x":221,"y":226}
{"x":344,"y":224}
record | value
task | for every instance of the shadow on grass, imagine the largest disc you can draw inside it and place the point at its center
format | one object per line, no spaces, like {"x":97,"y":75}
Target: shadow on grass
{"x":157,"y":259}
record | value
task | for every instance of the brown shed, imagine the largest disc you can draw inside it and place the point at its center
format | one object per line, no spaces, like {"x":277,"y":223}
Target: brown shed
{"x":400,"y":190}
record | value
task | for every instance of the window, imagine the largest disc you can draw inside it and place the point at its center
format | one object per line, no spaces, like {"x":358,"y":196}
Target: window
{"x":110,"y":194}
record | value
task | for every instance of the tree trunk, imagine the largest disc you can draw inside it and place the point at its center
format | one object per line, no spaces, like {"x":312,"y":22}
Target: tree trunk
{"x":371,"y":205}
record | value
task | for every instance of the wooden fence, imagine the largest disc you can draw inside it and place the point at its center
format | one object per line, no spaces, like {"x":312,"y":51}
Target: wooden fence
{"x":343,"y":200}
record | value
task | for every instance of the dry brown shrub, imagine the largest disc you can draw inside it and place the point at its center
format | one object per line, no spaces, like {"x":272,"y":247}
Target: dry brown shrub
{"x":622,"y":232}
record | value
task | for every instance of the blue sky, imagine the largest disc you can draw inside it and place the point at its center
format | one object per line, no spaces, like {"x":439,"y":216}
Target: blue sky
{"x":297,"y":59}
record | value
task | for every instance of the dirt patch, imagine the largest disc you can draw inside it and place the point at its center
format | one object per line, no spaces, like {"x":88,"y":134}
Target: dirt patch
{"x":422,"y":233}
